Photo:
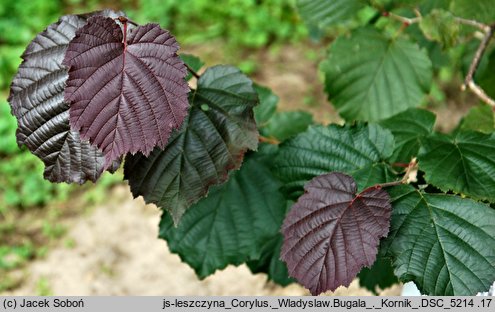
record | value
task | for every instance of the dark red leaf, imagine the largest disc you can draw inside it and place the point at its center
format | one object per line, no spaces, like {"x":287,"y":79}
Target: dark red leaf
{"x":331,"y":233}
{"x":37,"y":101}
{"x":125,"y":96}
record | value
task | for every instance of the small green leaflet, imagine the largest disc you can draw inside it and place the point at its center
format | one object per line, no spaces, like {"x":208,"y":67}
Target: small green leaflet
{"x":464,"y":163}
{"x":233,"y":224}
{"x":356,"y":150}
{"x":371,"y":77}
{"x":218,"y":130}
{"x":444,"y":243}
{"x":441,"y":26}
{"x":408,"y":128}
{"x":322,"y":13}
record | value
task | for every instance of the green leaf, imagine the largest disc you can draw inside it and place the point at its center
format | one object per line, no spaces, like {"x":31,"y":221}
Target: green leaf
{"x":379,"y":276}
{"x":356,"y":150}
{"x":482,"y":11}
{"x":194,"y":62}
{"x":322,"y":13}
{"x":440,"y":26}
{"x":427,"y":6}
{"x":284,"y":125}
{"x":486,"y":78}
{"x":371,"y":77}
{"x":233,"y":224}
{"x":479,"y":118}
{"x":464,"y":163}
{"x":444,"y":243}
{"x":219,"y":129}
{"x":408,"y":128}
{"x":270,"y":262}
{"x":267,"y":107}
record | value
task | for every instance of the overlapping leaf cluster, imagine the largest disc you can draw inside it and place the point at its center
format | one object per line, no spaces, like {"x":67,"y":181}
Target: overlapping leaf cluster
{"x":438,"y":231}
{"x":376,"y":73}
{"x":95,"y":88}
{"x":427,"y":239}
{"x":315,"y":203}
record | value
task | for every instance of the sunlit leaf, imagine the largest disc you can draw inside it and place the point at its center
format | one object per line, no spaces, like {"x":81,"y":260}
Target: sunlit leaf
{"x":479,"y":118}
{"x":369,"y":76}
{"x":323,"y":13}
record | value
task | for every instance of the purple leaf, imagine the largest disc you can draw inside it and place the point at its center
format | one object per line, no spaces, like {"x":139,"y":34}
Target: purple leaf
{"x":37,"y":101}
{"x":126,"y":90}
{"x":331,"y":233}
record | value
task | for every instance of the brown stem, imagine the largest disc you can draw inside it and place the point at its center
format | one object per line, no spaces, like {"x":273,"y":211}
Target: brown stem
{"x":412,"y":168}
{"x":273,"y":141}
{"x":195,"y":74}
{"x":404,"y":20}
{"x":469,"y":80}
{"x":124,"y":20}
{"x":124,"y":40}
{"x":473,"y":23}
{"x":394,"y":183}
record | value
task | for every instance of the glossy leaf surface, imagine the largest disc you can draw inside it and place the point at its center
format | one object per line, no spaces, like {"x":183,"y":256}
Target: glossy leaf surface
{"x":127,"y":92}
{"x":219,"y":129}
{"x":464,"y":163}
{"x":37,"y":100}
{"x":231,"y":225}
{"x":444,"y":243}
{"x":356,"y":150}
{"x":331,"y":233}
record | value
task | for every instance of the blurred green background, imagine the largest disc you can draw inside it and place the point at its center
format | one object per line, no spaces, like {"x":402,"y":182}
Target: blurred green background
{"x":30,"y":207}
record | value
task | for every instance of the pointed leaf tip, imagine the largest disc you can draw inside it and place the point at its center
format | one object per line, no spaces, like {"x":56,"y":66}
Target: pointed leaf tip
{"x":331,"y":233}
{"x":125,"y":97}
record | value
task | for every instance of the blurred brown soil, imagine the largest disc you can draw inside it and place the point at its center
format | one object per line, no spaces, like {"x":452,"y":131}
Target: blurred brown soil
{"x":115,"y":251}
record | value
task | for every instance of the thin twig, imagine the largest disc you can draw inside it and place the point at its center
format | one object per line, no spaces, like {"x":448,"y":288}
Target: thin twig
{"x":488,"y":31}
{"x":195,"y":74}
{"x":124,"y":20}
{"x":480,"y":93}
{"x":273,"y":141}
{"x":473,"y":23}
{"x":469,"y":80}
{"x":403,"y":19}
{"x":408,"y":177}
{"x":387,"y":184}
